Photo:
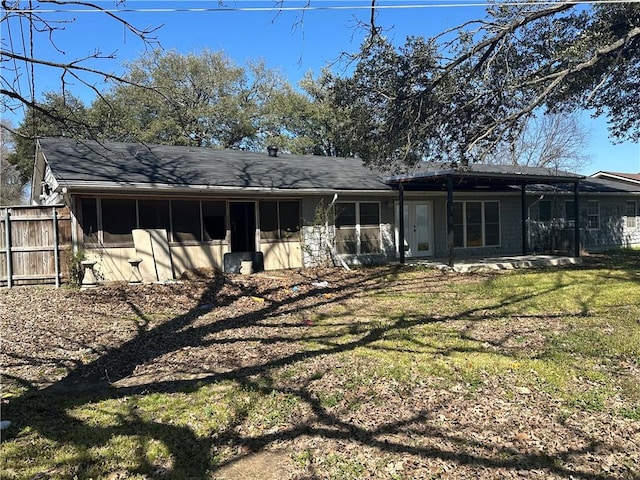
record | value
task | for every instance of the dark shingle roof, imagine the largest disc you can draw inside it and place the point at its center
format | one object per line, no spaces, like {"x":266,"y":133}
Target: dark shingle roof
{"x":89,"y":163}
{"x":618,"y":176}
{"x":112,"y":164}
{"x":477,"y":173}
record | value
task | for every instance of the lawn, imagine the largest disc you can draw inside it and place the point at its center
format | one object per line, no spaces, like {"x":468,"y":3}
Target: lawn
{"x":387,"y":373}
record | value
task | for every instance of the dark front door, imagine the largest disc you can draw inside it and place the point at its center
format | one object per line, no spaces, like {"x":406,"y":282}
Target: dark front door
{"x":243,"y":226}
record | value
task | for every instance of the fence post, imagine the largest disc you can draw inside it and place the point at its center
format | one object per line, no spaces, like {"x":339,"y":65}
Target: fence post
{"x":7,"y":231}
{"x":56,"y":253}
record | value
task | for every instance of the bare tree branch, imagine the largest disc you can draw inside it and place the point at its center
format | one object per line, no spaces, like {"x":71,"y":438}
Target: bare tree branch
{"x":556,"y":79}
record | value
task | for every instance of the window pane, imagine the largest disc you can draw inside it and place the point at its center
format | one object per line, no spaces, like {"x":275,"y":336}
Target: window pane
{"x":153,"y":214}
{"x":185,"y":217}
{"x":269,"y":220}
{"x":370,"y":239}
{"x":492,"y":212}
{"x":345,"y":214}
{"x":214,"y":220}
{"x":90,"y":220}
{"x":544,"y":211}
{"x":289,"y":220}
{"x":631,"y":208}
{"x":118,"y":220}
{"x":473,"y":212}
{"x":569,"y":210}
{"x":458,"y":224}
{"x":631,"y":214}
{"x":474,"y":235}
{"x":369,"y":214}
{"x":346,"y":240}
{"x":593,"y":218}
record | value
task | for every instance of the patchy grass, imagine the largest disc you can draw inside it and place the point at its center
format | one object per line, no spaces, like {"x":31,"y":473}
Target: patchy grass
{"x":387,"y":373}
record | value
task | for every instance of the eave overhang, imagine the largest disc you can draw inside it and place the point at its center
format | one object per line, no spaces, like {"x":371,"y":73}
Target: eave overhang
{"x":470,"y":179}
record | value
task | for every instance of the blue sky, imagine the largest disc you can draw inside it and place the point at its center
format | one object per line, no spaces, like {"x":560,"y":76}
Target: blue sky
{"x":292,"y":41}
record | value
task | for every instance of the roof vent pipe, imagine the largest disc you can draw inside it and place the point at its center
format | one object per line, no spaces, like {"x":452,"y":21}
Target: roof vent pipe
{"x":273,"y":150}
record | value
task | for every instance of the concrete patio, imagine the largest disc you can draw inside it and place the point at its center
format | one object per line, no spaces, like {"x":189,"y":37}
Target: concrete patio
{"x":510,"y":262}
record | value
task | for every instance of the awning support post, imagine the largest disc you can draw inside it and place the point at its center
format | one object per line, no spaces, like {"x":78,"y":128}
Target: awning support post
{"x":401,"y":222}
{"x":450,"y":242}
{"x":523,"y":206}
{"x":576,"y":222}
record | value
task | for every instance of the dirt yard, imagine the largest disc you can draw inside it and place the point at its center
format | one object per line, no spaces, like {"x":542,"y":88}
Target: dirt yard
{"x":136,"y":339}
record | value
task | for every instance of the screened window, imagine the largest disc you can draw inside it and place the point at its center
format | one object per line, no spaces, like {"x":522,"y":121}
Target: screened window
{"x":153,"y":214}
{"x":289,"y":220}
{"x":280,"y":220}
{"x":544,"y":211}
{"x":214,"y":216}
{"x":593,"y":215}
{"x":357,"y":227}
{"x":118,"y":220}
{"x":369,"y":227}
{"x":570,"y":212}
{"x":346,"y":228}
{"x":632,"y":213}
{"x":269,"y":220}
{"x":90,"y":220}
{"x":491,"y":223}
{"x":185,"y":219}
{"x":476,"y":224}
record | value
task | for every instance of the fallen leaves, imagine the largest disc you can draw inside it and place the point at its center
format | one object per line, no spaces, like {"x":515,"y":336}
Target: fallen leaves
{"x":351,"y":421}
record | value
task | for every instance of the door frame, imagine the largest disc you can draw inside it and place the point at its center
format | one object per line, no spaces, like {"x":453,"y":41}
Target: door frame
{"x":249,"y":206}
{"x":410,"y":236}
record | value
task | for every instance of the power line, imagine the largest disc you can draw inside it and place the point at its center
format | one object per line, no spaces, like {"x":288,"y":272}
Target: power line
{"x":314,"y":8}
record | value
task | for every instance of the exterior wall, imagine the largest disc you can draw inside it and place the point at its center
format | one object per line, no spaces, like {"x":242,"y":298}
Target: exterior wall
{"x":316,"y":246}
{"x":280,"y":255}
{"x":112,"y":264}
{"x":318,"y":231}
{"x":613,"y":230}
{"x":558,"y":233}
{"x":510,"y":225}
{"x":192,"y":257}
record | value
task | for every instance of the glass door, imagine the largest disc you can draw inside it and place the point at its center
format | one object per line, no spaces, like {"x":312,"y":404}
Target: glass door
{"x":418,"y":241}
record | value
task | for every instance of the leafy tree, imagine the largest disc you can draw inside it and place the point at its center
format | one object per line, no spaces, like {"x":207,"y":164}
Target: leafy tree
{"x":10,"y":185}
{"x":56,"y":115}
{"x":312,"y":121}
{"x":391,"y":104}
{"x":471,"y":91}
{"x":196,"y":99}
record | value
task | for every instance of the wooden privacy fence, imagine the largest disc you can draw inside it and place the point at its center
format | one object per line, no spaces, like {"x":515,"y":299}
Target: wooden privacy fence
{"x":35,"y":243}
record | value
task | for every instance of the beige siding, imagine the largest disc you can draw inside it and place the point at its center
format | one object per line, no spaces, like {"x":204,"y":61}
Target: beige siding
{"x":279,"y":255}
{"x":112,"y":264}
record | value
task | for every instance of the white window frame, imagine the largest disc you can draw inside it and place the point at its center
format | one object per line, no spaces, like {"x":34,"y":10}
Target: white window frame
{"x":358,"y":239}
{"x":632,"y":220}
{"x":591,"y":214}
{"x":482,"y":222}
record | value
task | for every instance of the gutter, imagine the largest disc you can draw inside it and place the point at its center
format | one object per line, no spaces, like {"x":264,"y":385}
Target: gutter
{"x":133,"y":188}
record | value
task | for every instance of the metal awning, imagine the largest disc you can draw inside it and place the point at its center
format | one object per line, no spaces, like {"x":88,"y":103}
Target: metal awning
{"x":474,"y":178}
{"x":482,"y":175}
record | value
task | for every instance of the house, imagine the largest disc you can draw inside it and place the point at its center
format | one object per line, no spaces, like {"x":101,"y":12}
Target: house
{"x":182,"y":208}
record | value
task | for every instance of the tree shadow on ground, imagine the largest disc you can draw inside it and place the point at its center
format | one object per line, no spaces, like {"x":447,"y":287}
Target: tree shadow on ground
{"x":47,"y":410}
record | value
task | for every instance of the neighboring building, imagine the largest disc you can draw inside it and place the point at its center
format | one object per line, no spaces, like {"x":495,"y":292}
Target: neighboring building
{"x":630,"y":178}
{"x":183,"y":208}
